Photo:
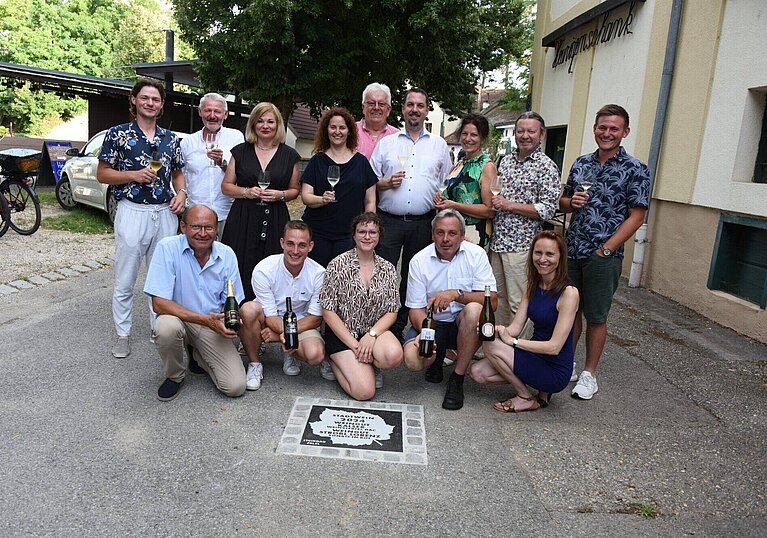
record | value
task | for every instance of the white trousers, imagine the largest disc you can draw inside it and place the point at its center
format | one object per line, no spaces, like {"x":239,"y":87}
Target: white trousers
{"x":138,"y":229}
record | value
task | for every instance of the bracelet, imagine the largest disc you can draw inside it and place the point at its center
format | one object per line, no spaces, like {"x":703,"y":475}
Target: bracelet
{"x":570,"y":201}
{"x":184,"y":191}
{"x":283,"y":196}
{"x":244,"y":192}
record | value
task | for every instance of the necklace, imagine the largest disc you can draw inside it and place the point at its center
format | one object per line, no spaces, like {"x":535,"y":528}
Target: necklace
{"x":270,"y":148}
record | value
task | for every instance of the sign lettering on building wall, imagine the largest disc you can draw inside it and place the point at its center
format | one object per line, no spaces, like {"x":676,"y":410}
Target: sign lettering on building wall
{"x":608,"y":29}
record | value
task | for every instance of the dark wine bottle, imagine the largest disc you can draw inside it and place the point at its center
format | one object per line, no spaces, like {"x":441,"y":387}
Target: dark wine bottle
{"x":428,"y":332}
{"x":231,"y":309}
{"x":487,"y":319}
{"x":290,"y":325}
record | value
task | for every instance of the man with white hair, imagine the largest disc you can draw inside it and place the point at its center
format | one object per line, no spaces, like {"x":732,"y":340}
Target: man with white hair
{"x":206,"y":162}
{"x":376,"y":107}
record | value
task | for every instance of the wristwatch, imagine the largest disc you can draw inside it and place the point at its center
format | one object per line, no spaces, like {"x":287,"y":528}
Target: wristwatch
{"x":606,"y":252}
{"x":373,"y":333}
{"x":514,"y":342}
{"x":460,"y":294}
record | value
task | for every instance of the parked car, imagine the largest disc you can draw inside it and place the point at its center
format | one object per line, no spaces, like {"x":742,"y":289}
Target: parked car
{"x":78,"y":183}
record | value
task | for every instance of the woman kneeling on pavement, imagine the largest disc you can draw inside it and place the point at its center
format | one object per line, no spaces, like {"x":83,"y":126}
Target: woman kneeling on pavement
{"x":359,"y":300}
{"x":544,"y":363}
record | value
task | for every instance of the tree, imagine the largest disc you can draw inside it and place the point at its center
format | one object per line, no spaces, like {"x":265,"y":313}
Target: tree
{"x":324,"y":52}
{"x":517,"y":68}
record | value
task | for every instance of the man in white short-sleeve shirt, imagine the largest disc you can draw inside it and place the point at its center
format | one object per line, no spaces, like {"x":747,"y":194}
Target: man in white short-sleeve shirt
{"x":449,"y":277}
{"x":290,"y":274}
{"x":205,"y":167}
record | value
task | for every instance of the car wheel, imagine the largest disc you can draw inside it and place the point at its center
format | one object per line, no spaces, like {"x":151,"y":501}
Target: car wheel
{"x":64,"y":194}
{"x":111,"y":205}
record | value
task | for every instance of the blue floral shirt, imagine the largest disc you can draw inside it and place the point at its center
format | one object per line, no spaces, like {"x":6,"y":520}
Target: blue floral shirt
{"x":621,"y":183}
{"x":126,"y":147}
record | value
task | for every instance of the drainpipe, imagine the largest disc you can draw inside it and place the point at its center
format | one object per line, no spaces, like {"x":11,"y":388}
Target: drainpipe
{"x":640,"y":239}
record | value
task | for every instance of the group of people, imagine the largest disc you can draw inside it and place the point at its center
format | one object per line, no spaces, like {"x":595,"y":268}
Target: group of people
{"x":375,"y":197}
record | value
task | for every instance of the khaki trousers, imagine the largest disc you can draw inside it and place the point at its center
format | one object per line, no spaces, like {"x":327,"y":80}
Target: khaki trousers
{"x":216,"y":354}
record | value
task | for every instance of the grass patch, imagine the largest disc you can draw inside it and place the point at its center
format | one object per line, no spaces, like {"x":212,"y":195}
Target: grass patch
{"x":80,"y":220}
{"x":642,"y":509}
{"x":47,"y":198}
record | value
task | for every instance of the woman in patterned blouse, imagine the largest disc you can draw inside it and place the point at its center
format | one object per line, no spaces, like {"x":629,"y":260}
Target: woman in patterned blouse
{"x":359,"y":300}
{"x":468,"y":187}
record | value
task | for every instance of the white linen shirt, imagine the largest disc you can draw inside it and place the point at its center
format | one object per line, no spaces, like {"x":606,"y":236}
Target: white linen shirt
{"x":469,"y":270}
{"x":203,"y":179}
{"x":272,"y":283}
{"x":429,"y":162}
{"x":176,"y":275}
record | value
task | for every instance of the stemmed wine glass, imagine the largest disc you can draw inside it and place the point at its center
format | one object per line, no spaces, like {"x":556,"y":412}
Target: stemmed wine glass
{"x":403,"y":156}
{"x":210,"y":143}
{"x":334,"y":176}
{"x":263,"y":182}
{"x":155,"y":162}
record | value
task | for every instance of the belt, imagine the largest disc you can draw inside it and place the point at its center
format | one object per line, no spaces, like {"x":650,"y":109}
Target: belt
{"x":409,"y":218}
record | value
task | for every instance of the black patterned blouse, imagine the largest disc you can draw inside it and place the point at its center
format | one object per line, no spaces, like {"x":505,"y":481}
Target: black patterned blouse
{"x":344,"y":293}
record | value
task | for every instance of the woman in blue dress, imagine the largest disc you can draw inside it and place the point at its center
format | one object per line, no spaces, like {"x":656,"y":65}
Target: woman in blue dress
{"x":545,"y":362}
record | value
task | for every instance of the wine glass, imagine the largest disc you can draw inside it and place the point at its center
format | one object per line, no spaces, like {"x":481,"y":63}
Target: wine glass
{"x":586,"y":184}
{"x":334,"y":176}
{"x":403,"y":156}
{"x":264,"y":178}
{"x":210,"y":143}
{"x":155,"y":162}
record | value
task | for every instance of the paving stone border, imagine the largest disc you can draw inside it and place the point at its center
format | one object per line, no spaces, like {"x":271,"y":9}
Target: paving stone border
{"x":62,"y":273}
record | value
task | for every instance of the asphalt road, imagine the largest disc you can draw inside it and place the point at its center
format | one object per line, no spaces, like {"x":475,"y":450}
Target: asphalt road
{"x":678,"y":427}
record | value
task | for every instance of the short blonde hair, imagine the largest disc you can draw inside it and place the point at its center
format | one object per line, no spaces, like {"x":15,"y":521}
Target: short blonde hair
{"x":259,"y":110}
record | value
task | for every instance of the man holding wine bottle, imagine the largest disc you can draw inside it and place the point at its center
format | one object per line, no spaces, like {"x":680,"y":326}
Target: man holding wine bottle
{"x":287,"y":288}
{"x":608,"y":193}
{"x":140,"y":160}
{"x":529,"y":191}
{"x":410,"y":167}
{"x":186,"y":285}
{"x":447,"y":282}
{"x":207,"y":153}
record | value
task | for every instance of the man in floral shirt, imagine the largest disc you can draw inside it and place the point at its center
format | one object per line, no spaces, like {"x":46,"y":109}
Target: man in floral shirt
{"x":608,"y":193}
{"x":530,"y":188}
{"x":146,"y":204}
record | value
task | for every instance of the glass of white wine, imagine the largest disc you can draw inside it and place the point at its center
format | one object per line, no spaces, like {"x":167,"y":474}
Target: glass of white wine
{"x":403,"y":156}
{"x":264,"y":179}
{"x":210,"y":143}
{"x":334,"y":176}
{"x":155,"y":163}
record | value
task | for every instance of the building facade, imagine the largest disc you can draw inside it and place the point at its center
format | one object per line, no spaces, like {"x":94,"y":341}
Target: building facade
{"x":707,"y":227}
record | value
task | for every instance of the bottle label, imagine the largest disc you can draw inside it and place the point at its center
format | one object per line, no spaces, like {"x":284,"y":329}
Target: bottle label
{"x":488,"y":330}
{"x":291,"y":328}
{"x":232,"y":316}
{"x":427,"y":335}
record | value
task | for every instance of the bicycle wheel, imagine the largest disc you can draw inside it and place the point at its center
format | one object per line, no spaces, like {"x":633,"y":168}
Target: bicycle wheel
{"x":23,"y":205}
{"x":5,"y":219}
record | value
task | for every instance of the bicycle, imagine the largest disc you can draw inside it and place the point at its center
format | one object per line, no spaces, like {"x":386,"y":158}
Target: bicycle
{"x":19,"y":174}
{"x":5,"y":218}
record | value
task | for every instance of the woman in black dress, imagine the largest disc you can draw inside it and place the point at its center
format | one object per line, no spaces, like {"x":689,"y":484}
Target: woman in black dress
{"x":257,"y":217}
{"x":330,"y":211}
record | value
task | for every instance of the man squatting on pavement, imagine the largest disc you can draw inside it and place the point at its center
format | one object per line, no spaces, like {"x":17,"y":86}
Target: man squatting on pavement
{"x":146,"y":205}
{"x":448,"y":276}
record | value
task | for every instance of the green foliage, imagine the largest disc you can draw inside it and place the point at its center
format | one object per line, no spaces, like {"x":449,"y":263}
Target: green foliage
{"x":514,"y":99}
{"x":80,"y":220}
{"x":91,"y":37}
{"x":325,"y":52}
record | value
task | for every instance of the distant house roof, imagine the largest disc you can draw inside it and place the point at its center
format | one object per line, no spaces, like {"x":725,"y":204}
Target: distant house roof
{"x":302,"y":123}
{"x":489,"y":96}
{"x":183,"y":72}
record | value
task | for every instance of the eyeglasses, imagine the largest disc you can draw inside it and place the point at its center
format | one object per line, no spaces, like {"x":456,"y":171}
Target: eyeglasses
{"x":199,"y":227}
{"x":376,"y":104}
{"x":371,"y":233}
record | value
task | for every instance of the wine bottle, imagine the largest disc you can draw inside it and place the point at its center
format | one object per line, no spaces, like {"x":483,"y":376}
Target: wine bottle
{"x":231,"y":309}
{"x":428,"y":332}
{"x":487,"y":319}
{"x":290,"y":325}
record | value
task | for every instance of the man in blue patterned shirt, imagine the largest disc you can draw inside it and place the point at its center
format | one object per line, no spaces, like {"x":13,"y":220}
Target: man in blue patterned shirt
{"x":608,"y":193}
{"x":147,"y":204}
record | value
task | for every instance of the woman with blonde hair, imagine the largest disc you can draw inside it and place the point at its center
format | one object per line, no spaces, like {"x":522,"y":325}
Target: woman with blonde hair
{"x":258,"y":214}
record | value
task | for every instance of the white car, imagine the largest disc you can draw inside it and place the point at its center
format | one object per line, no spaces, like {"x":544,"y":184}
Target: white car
{"x":78,"y":183}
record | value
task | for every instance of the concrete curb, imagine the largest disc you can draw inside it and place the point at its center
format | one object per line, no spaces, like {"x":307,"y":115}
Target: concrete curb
{"x":62,"y":273}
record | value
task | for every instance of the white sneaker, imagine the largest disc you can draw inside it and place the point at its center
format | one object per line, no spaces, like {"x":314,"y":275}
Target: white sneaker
{"x":586,"y":386}
{"x":379,"y":377}
{"x":290,"y":365}
{"x":451,"y":356}
{"x":326,"y":371}
{"x":574,"y":377}
{"x":255,"y":375}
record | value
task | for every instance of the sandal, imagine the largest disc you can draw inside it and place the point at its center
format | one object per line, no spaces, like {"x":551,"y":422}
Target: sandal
{"x":508,"y":406}
{"x":544,"y":402}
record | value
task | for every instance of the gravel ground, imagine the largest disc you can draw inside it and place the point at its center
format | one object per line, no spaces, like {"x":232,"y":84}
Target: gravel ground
{"x":22,"y":256}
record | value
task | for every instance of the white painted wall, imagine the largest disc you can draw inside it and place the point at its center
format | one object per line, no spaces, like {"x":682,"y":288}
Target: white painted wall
{"x":560,"y":7}
{"x":557,"y":94}
{"x":735,"y":113}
